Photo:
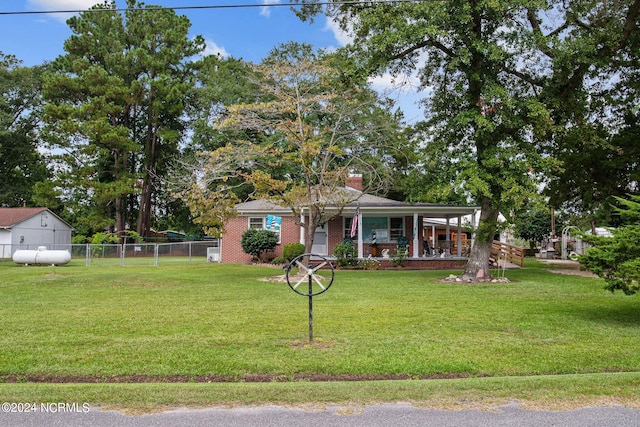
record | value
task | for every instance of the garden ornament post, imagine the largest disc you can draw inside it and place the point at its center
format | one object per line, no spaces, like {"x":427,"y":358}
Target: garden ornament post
{"x":308,"y":266}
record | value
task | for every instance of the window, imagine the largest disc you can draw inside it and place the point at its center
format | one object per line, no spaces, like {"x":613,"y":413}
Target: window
{"x":375,"y":228}
{"x":260,"y":223}
{"x":256,"y":222}
{"x":384,"y":229}
{"x":396,"y":228}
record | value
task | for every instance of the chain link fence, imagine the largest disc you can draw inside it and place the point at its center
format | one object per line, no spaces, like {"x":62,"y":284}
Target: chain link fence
{"x":131,"y":254}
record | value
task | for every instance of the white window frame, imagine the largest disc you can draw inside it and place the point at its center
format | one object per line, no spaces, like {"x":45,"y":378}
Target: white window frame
{"x":252,"y":223}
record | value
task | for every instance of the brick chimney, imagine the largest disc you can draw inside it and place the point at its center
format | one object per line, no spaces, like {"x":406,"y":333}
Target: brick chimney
{"x":354,"y":181}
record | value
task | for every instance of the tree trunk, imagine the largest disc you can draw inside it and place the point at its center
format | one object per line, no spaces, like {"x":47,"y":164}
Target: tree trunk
{"x":120,"y":223}
{"x":477,"y":268}
{"x":310,"y":231}
{"x":144,"y":215}
{"x":120,"y":170}
{"x":308,"y":239}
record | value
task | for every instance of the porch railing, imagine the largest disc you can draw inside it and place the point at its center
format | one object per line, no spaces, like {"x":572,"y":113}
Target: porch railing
{"x":510,"y":253}
{"x":450,"y":247}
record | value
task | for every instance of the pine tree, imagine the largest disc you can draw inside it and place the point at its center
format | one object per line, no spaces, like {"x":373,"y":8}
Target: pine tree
{"x":617,"y":258}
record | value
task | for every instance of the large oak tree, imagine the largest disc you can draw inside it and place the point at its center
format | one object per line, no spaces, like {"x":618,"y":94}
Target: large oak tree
{"x":22,"y":167}
{"x":502,"y":79}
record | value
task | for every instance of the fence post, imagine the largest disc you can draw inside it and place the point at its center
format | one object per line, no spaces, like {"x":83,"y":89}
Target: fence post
{"x":155,"y":254}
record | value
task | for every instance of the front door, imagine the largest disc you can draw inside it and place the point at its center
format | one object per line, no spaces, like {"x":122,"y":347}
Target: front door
{"x":320,"y":241}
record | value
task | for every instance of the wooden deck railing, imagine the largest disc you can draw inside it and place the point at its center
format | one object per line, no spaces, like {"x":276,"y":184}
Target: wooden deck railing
{"x":509,"y":253}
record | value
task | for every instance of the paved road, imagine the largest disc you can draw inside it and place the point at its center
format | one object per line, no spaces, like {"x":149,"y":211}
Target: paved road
{"x":386,"y":415}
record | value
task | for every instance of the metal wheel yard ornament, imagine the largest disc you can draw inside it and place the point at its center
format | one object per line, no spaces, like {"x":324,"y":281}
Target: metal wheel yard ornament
{"x":309,"y":282}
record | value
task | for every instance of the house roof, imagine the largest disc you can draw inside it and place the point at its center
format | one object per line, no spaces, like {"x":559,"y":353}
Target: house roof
{"x":367,"y":203}
{"x":9,"y":217}
{"x":12,"y":216}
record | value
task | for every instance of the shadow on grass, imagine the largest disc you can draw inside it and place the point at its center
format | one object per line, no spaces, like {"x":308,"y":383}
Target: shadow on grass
{"x":627,"y":314}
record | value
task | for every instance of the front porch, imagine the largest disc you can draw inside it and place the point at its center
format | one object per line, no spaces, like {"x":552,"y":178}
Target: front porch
{"x":444,"y":257}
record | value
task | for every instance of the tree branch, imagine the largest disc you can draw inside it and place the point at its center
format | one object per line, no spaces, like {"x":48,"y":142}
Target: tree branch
{"x":630,"y":23}
{"x":425,"y":43}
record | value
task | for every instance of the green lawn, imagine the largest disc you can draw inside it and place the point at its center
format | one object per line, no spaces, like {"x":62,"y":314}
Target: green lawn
{"x":209,"y":322}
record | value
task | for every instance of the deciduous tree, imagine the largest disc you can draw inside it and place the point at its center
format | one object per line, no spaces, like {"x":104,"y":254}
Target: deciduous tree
{"x":482,"y":107}
{"x":503,"y":79}
{"x":310,"y":128}
{"x":21,"y":165}
{"x":533,"y":225}
{"x":593,"y":91}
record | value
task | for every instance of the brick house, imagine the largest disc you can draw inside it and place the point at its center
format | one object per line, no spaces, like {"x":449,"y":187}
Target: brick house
{"x":379,"y":220}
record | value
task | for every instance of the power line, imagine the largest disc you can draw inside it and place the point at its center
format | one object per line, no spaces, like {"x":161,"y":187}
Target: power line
{"x":226,"y":6}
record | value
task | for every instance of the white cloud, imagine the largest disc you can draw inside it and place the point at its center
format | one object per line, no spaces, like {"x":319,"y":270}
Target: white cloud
{"x":62,"y":5}
{"x":401,"y":83}
{"x":343,"y":38}
{"x":403,"y":89}
{"x":212,"y":48}
{"x":266,"y":10}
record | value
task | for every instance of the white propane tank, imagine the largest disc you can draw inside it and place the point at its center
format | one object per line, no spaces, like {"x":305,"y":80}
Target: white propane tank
{"x":41,"y":256}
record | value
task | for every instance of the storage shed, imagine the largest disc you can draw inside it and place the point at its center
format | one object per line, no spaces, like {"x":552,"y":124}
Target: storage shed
{"x":29,"y":228}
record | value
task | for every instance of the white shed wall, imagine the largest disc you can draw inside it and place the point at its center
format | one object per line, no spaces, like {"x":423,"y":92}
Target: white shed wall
{"x":5,"y":244}
{"x":5,"y":237}
{"x":42,"y":229}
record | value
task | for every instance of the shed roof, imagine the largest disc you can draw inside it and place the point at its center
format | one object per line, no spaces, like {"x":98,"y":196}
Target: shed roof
{"x":12,"y":216}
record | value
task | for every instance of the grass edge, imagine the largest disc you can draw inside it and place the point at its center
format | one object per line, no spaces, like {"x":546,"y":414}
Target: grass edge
{"x":557,"y":393}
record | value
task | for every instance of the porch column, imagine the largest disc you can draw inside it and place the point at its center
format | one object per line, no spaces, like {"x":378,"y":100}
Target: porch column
{"x":360,"y":234}
{"x":448,"y":237}
{"x":433,"y":238}
{"x":415,"y":236}
{"x":459,"y":244}
{"x":302,"y":233}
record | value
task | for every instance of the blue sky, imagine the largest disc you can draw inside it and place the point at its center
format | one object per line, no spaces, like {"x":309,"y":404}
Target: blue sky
{"x":247,"y":33}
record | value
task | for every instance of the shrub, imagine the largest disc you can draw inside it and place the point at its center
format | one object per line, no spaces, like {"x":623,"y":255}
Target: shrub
{"x":292,"y":250}
{"x":345,"y":254}
{"x":257,"y":241}
{"x":279,"y":260}
{"x":370,"y":264}
{"x":103,"y":238}
{"x":401,"y":256}
{"x":78,"y":239}
{"x":131,"y":236}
